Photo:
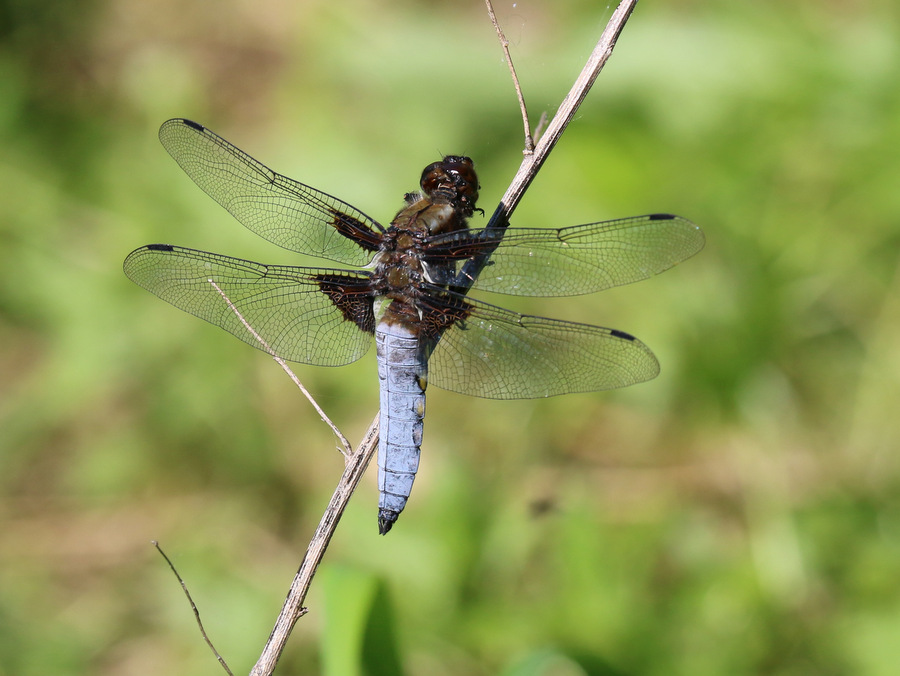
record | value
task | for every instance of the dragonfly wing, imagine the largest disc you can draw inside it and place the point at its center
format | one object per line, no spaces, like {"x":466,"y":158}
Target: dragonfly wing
{"x":308,"y":315}
{"x":486,"y":351}
{"x":284,"y":211}
{"x":575,"y":260}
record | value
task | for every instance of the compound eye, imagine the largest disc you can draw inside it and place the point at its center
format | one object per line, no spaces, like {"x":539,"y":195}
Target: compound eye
{"x":433,"y":176}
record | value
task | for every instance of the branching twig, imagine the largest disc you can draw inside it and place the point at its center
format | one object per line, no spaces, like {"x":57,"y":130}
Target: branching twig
{"x":504,"y":43}
{"x":345,"y":445}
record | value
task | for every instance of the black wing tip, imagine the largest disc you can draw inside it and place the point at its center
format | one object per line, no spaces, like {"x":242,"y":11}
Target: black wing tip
{"x":649,"y":374}
{"x":167,"y":248}
{"x":622,"y":334}
{"x":184,"y":122}
{"x":192,"y":124}
{"x":672,"y":217}
{"x":698,"y":232}
{"x":386,"y":520}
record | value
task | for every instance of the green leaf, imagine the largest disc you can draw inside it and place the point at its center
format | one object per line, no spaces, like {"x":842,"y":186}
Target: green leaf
{"x":358,"y":637}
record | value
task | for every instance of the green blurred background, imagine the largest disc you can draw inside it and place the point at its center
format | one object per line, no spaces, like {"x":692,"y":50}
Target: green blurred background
{"x":738,"y":515}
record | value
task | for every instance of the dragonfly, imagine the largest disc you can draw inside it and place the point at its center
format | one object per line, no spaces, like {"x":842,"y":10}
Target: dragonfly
{"x":409,"y":289}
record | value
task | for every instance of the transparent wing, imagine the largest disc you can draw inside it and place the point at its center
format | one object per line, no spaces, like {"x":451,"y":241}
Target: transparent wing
{"x":575,"y":260}
{"x":497,"y":354}
{"x":282,"y":210}
{"x":321,"y":317}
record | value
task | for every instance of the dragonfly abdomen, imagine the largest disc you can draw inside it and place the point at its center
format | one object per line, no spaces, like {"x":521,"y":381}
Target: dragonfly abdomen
{"x":401,"y":376}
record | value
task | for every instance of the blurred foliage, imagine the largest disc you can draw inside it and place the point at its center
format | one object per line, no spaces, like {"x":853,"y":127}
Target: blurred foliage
{"x":739,"y":515}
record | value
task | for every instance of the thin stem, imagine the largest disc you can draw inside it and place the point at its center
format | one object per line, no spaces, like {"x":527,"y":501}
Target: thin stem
{"x":194,"y":608}
{"x":345,"y":445}
{"x":504,"y":44}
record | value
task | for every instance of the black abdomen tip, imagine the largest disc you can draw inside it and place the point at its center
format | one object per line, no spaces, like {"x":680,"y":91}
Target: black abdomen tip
{"x":386,"y":519}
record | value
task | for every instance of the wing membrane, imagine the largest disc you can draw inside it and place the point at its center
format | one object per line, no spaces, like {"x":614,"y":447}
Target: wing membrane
{"x":302,"y":313}
{"x":498,"y":354}
{"x":284,"y":211}
{"x":575,"y":260}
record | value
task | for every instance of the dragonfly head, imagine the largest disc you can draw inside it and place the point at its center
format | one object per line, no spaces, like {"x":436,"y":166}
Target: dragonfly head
{"x":452,"y":180}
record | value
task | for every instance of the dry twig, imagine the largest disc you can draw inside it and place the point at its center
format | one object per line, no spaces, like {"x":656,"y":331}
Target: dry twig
{"x":293,"y":609}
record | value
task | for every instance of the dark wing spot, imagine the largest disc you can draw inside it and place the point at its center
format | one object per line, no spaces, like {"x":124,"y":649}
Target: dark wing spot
{"x":193,"y":125}
{"x":661,"y":217}
{"x":160,"y":247}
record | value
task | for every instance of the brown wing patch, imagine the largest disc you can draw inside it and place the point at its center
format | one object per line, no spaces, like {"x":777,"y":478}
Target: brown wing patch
{"x":352,"y":296}
{"x":440,"y":311}
{"x":355,"y":230}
